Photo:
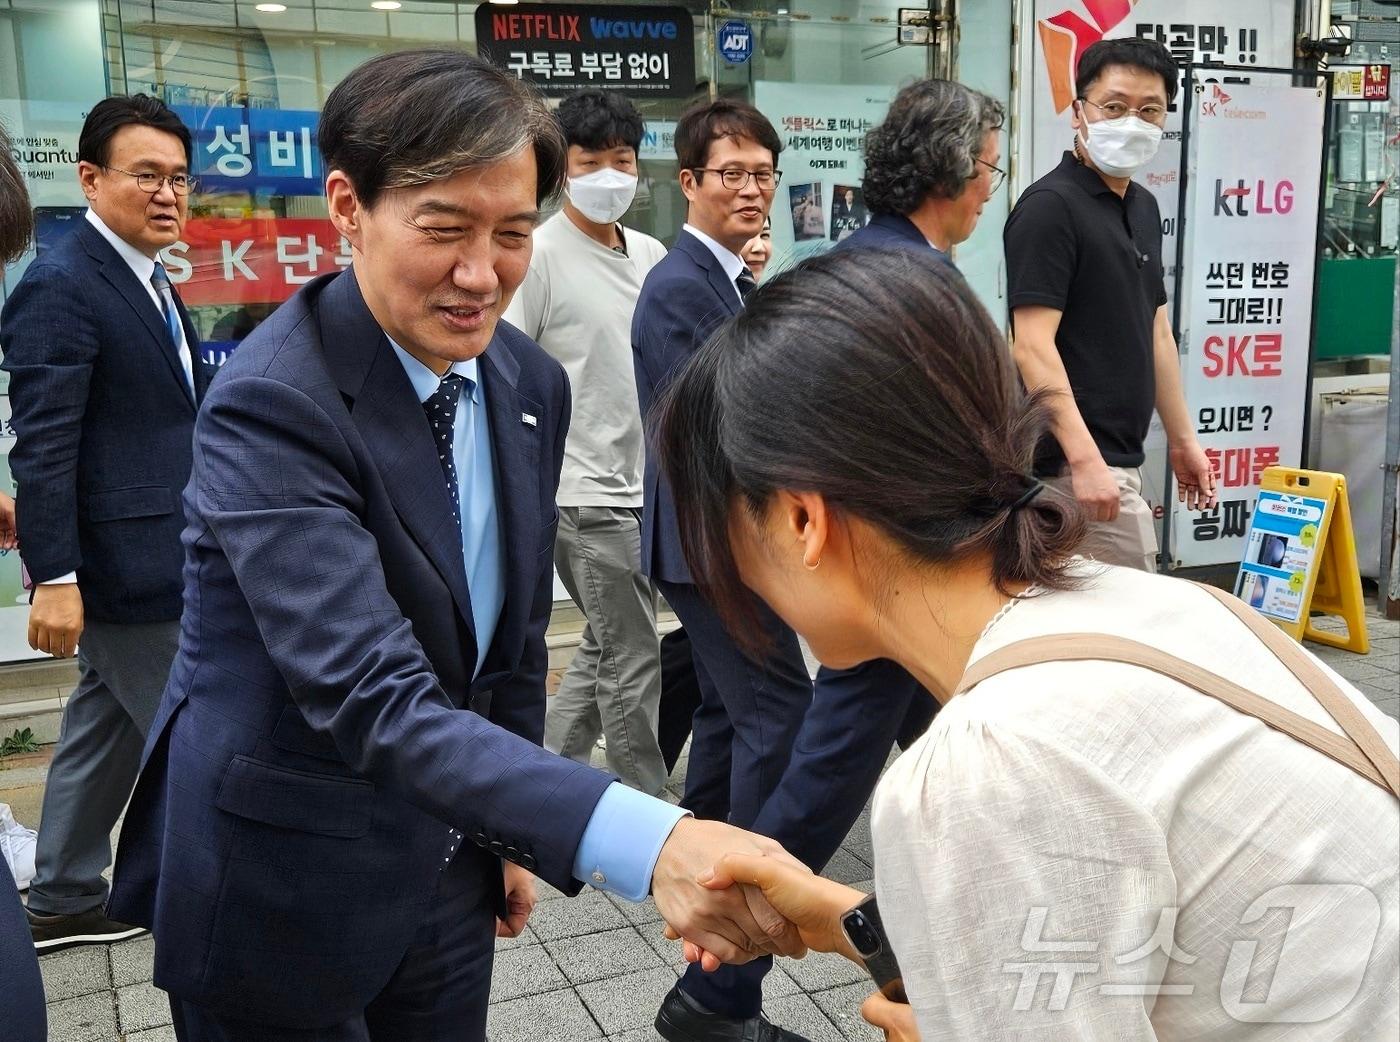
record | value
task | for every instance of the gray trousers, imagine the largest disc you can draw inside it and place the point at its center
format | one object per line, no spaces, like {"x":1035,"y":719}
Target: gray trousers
{"x":122,"y":675}
{"x":614,"y":682}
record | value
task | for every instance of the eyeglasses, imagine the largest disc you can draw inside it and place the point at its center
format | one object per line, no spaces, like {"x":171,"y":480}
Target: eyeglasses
{"x":1154,"y":114}
{"x":180,"y":184}
{"x":737,"y":180}
{"x":998,"y":174}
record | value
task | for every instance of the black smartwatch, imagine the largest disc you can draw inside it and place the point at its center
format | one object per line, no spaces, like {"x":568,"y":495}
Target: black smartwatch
{"x":866,"y":932}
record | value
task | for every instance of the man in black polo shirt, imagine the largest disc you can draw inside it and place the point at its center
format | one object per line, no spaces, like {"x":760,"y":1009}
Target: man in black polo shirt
{"x":1088,"y":306}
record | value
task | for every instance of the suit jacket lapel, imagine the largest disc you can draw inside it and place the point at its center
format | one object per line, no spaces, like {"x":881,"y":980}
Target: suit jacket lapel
{"x":390,"y":417}
{"x":727,"y":292}
{"x":125,"y":282}
{"x":515,"y":443}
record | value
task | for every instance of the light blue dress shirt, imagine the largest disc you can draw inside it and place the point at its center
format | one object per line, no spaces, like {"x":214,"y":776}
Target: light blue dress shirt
{"x":624,"y":837}
{"x":483,"y":550}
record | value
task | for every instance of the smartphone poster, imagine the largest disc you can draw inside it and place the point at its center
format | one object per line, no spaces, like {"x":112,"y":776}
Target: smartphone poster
{"x":1280,"y":553}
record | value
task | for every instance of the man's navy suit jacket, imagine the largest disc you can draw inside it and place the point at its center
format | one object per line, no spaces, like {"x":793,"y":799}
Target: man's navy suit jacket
{"x":684,"y":299}
{"x":321,"y":730}
{"x":103,"y":419}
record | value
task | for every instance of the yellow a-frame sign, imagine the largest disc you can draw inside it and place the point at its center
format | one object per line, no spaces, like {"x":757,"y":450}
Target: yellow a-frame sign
{"x":1300,"y":557}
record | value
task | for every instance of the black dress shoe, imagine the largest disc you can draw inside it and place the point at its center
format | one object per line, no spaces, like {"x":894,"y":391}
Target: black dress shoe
{"x":682,"y":1019}
{"x":53,"y":933}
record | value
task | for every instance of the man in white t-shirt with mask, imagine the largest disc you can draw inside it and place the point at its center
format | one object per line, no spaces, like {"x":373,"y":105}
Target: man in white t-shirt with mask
{"x":577,"y":302}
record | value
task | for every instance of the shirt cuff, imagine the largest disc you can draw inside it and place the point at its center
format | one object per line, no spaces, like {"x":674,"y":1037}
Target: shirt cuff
{"x":61,"y":580}
{"x":622,"y":841}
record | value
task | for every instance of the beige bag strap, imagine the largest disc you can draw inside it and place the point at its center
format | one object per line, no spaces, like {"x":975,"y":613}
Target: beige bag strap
{"x":1362,"y":749}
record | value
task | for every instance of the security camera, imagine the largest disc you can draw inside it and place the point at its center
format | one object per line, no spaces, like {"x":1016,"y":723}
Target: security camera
{"x":1321,"y":50}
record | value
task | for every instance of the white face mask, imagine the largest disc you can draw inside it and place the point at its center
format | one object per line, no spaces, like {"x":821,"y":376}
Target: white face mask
{"x":1120,"y":147}
{"x":604,"y":195}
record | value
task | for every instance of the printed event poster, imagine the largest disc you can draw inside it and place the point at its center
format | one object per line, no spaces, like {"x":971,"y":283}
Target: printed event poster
{"x":1281,"y":551}
{"x":823,"y":131}
{"x":1246,"y":316}
{"x":1207,"y":32}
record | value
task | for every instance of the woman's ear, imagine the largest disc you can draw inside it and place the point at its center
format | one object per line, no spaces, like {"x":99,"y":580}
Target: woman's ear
{"x":806,"y":520}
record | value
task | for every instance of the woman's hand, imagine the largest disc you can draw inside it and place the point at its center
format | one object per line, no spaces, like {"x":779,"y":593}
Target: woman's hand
{"x":895,"y":1019}
{"x":812,"y":904}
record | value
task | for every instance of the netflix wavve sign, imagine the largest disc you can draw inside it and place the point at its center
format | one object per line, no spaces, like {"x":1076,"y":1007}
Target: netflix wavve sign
{"x":561,"y":48}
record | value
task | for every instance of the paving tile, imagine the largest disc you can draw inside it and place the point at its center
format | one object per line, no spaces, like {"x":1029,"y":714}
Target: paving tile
{"x":590,"y":912}
{"x":823,"y":970}
{"x":559,"y":1016}
{"x":87,"y":1018}
{"x":670,"y":952}
{"x":142,"y":1006}
{"x":800,"y":1014}
{"x":636,"y":914}
{"x":777,"y":984}
{"x":78,"y":971}
{"x":628,"y":1003}
{"x":524,"y":971}
{"x":132,"y":960}
{"x":526,"y":939}
{"x":845,"y":867}
{"x":545,"y":892}
{"x":598,"y":956}
{"x":1390,"y":706}
{"x":842,"y":1008}
{"x":647,"y":1034}
{"x":165,"y":1034}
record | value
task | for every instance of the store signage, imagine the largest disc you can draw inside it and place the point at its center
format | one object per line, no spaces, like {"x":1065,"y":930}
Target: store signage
{"x":735,"y":41}
{"x":238,"y":149}
{"x":1360,"y":82}
{"x":563,"y":47}
{"x":1254,"y":158}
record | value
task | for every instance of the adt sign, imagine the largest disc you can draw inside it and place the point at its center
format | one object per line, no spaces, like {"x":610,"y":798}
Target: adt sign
{"x":735,"y":41}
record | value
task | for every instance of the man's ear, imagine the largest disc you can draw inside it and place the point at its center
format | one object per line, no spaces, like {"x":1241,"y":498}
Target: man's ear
{"x":343,"y":203}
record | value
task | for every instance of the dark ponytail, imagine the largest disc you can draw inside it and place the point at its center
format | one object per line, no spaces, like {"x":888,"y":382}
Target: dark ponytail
{"x":878,"y":380}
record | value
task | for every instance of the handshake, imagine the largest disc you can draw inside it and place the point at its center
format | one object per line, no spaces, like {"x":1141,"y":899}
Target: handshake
{"x":732,"y":896}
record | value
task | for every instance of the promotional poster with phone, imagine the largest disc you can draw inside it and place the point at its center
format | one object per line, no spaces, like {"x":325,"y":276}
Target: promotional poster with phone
{"x":1281,"y":551}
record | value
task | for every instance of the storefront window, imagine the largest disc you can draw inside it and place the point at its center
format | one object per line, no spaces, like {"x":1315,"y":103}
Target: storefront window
{"x":250,"y":78}
{"x":1361,"y":222}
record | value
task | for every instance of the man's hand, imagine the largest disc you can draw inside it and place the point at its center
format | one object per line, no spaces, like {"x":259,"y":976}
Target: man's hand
{"x":731,"y":926}
{"x":895,"y":1019}
{"x":56,"y":619}
{"x":520,"y":900}
{"x":1195,"y":478}
{"x":9,"y":535}
{"x":1096,"y":489}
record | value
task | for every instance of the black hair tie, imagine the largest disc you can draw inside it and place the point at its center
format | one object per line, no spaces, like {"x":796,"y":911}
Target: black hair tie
{"x":1036,"y":489}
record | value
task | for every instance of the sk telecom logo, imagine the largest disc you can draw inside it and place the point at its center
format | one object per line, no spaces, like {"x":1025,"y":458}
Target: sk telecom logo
{"x":1215,"y":102}
{"x":1065,"y":36}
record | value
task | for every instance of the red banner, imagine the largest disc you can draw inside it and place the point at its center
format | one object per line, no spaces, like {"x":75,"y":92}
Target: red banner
{"x":259,"y":260}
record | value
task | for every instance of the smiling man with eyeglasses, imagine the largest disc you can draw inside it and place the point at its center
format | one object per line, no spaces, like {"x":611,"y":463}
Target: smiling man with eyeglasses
{"x":1089,"y":307}
{"x":105,"y":378}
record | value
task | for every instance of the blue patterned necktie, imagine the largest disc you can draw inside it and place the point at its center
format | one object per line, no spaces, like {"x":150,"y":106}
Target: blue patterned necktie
{"x":161,"y":283}
{"x":745,"y":283}
{"x":441,"y":407}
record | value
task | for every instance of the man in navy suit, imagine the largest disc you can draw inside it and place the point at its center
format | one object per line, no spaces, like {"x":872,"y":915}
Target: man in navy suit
{"x":930,"y":167}
{"x":749,"y":711}
{"x":105,"y":377}
{"x":927,"y":186}
{"x":344,"y":800}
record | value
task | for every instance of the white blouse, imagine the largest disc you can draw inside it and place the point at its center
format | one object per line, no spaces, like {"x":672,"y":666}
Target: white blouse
{"x":1090,"y":850}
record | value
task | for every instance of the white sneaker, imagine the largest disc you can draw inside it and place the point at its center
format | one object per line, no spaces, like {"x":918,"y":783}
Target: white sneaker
{"x":17,"y":845}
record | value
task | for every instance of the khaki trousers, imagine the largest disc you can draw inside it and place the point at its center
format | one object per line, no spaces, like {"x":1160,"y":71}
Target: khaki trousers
{"x":1130,"y":539}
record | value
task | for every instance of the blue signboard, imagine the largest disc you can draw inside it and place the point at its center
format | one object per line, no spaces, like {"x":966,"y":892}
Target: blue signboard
{"x":735,"y":40}
{"x":247,"y":149}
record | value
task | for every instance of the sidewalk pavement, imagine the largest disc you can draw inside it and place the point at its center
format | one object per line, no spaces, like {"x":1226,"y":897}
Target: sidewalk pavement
{"x":587,"y":968}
